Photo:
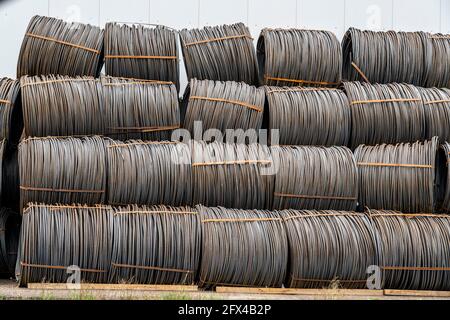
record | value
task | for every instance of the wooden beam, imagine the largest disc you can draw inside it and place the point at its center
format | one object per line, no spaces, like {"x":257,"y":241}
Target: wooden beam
{"x":417,"y":293}
{"x":103,"y":286}
{"x":295,"y":291}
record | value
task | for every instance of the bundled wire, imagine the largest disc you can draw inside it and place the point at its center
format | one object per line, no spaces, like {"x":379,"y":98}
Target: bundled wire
{"x":9,"y":239}
{"x":401,"y":177}
{"x":3,"y":148}
{"x":293,"y":57}
{"x":139,"y":110}
{"x":329,"y":248}
{"x":155,"y":245}
{"x":308,"y":116}
{"x":437,"y":112}
{"x":242,"y":248}
{"x":52,"y":46}
{"x":11,"y":122}
{"x":413,"y":250}
{"x":62,"y":106}
{"x":443,"y":179}
{"x":141,"y":52}
{"x":55,"y":238}
{"x":224,"y":105}
{"x":385,"y":113}
{"x":223,"y":53}
{"x":438,"y":51}
{"x":10,"y":192}
{"x":149,"y":173}
{"x":232,"y":175}
{"x":385,"y":57}
{"x":63,"y":170}
{"x":307,"y":177}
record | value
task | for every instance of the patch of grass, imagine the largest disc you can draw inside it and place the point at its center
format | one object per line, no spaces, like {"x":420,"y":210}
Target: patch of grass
{"x":176,"y":296}
{"x":46,"y":296}
{"x":81,"y":295}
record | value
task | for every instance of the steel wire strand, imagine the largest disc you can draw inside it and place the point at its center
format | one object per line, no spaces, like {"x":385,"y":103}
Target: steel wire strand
{"x":401,"y":177}
{"x":308,"y":116}
{"x":11,"y":122}
{"x":149,"y":173}
{"x":232,"y":175}
{"x":224,"y":105}
{"x":437,"y":55}
{"x":10,"y":192}
{"x":9,"y":239}
{"x":413,"y":250}
{"x":155,"y":245}
{"x":142,"y":52}
{"x":443,"y":179}
{"x":294,"y":57}
{"x":54,"y":238}
{"x":224,"y":53}
{"x":385,"y":113}
{"x":328,"y":248}
{"x":242,"y":248}
{"x":52,"y":46}
{"x":63,"y":170}
{"x":437,"y":112}
{"x":308,"y":177}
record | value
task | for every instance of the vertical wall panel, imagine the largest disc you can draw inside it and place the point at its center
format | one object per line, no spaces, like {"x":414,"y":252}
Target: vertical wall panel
{"x":124,"y":11}
{"x":417,"y":15}
{"x":445,"y":16}
{"x":85,"y":11}
{"x":322,"y":15}
{"x":216,"y":12}
{"x":369,"y":14}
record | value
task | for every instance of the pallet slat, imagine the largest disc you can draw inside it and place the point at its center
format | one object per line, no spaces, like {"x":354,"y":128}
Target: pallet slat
{"x":295,"y":291}
{"x":99,"y":286}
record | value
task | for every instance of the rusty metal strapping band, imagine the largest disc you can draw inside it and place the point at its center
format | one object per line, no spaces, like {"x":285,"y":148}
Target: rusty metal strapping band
{"x":157,"y":211}
{"x":326,"y":280}
{"x":402,"y":165}
{"x":202,"y":164}
{"x":111,"y":56}
{"x":300,"y":89}
{"x":416,"y":268}
{"x":287,"y":195}
{"x":436,"y":101}
{"x":218,"y":39}
{"x":62,"y":206}
{"x":384,"y":100}
{"x":122,"y":145}
{"x":356,"y":214}
{"x":410,"y":215}
{"x":324,"y":83}
{"x":117,"y":265}
{"x":239,"y":103}
{"x":43,"y":266}
{"x":5,"y":101}
{"x":63,"y":42}
{"x":360,"y":72}
{"x":59,"y":190}
{"x":145,"y":129}
{"x":135,"y":83}
{"x":56,"y":81}
{"x":241,"y":220}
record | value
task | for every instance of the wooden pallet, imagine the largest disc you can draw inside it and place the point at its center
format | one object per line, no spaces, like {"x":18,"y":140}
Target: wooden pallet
{"x":102,"y":286}
{"x":295,"y":291}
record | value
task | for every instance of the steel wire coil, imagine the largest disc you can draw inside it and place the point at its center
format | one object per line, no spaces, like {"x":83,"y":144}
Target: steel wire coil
{"x":402,"y":177}
{"x":329,"y":248}
{"x":3,"y":148}
{"x":142,"y":52}
{"x":443,"y":190}
{"x":52,"y":46}
{"x":438,"y":52}
{"x":224,"y":105}
{"x":9,"y":239}
{"x":63,"y":170}
{"x":308,"y":177}
{"x":308,"y":116}
{"x":413,"y":250}
{"x":10,"y":192}
{"x":385,"y":113}
{"x":242,"y":248}
{"x":149,"y":173}
{"x":437,"y":112}
{"x":385,"y":57}
{"x":294,"y":57}
{"x":54,"y":238}
{"x":156,"y":245}
{"x":224,"y":53}
{"x":232,"y":175}
{"x":11,"y":122}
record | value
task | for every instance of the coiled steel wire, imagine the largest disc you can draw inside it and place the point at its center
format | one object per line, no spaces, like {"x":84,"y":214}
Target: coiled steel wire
{"x":232,"y":175}
{"x":438,"y":51}
{"x":242,"y":248}
{"x":10,"y":192}
{"x":157,"y":245}
{"x":401,"y":177}
{"x":149,"y":173}
{"x":308,"y":116}
{"x":63,"y":170}
{"x":385,"y":113}
{"x":11,"y":122}
{"x":437,"y":112}
{"x":142,"y":52}
{"x":385,"y":57}
{"x":294,"y":57}
{"x":329,"y":248}
{"x":9,"y":239}
{"x":224,"y":105}
{"x":413,"y":250}
{"x":54,"y":238}
{"x":224,"y":53}
{"x":443,"y":179}
{"x":308,"y":177}
{"x":52,"y":46}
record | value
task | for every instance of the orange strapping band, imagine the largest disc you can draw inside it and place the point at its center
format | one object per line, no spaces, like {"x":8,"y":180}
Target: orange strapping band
{"x":326,"y":215}
{"x":60,"y":190}
{"x":239,"y":103}
{"x":436,"y":101}
{"x":141,"y":143}
{"x":43,"y":266}
{"x":241,"y":220}
{"x":63,"y":42}
{"x":384,"y":100}
{"x":116,"y":265}
{"x":324,"y":83}
{"x":110,"y":56}
{"x":218,"y":39}
{"x":63,"y":206}
{"x":325,"y":280}
{"x":417,"y":268}
{"x":301,"y":89}
{"x":151,"y":212}
{"x":409,"y":215}
{"x":56,"y":81}
{"x":5,"y":101}
{"x":360,"y":72}
{"x":136,"y":82}
{"x":200,"y":164}
{"x":404,"y":165}
{"x":287,"y":195}
{"x":146,"y":129}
